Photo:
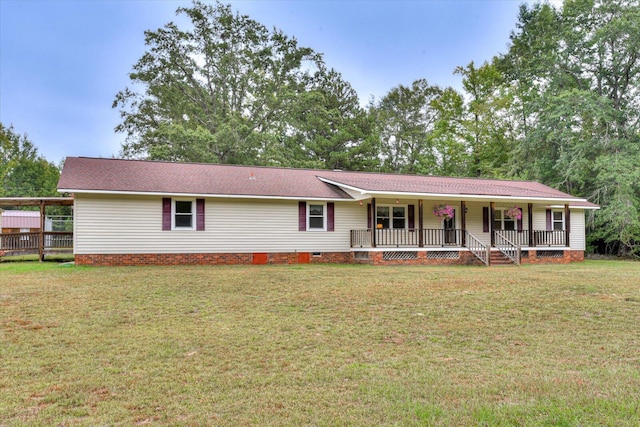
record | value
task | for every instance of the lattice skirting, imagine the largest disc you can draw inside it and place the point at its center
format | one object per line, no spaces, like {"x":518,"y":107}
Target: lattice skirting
{"x":399,"y":255}
{"x":550,"y":254}
{"x":443,"y":255}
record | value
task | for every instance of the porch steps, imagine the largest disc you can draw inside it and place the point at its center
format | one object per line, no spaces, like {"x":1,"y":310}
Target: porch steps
{"x":498,"y":258}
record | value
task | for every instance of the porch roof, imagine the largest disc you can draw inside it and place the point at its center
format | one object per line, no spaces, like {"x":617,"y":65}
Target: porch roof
{"x":93,"y":175}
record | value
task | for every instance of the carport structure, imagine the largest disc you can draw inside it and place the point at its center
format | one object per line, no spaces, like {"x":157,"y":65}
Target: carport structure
{"x":41,"y":240}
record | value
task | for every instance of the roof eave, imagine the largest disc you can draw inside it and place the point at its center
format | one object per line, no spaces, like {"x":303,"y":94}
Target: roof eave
{"x":445,"y":196}
{"x":212,"y":195}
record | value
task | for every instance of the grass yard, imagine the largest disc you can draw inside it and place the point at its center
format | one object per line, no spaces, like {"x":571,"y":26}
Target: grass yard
{"x":320,"y":345}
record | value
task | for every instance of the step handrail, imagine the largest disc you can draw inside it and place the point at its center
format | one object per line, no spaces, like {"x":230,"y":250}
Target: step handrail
{"x":508,"y":248}
{"x":479,"y":249}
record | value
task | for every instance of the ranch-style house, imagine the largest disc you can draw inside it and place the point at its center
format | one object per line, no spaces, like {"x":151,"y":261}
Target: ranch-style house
{"x":132,"y":212}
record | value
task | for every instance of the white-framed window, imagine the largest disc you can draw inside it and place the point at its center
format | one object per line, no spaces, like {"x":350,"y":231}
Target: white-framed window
{"x":317,"y":216}
{"x":557,"y":220}
{"x":501,"y":221}
{"x":392,"y":216}
{"x":183,"y":215}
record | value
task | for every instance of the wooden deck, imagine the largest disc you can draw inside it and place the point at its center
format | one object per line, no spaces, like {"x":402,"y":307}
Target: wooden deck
{"x":29,"y":243}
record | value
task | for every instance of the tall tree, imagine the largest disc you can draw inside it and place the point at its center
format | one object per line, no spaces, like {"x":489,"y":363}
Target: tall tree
{"x":407,"y":119}
{"x":450,"y":144}
{"x":489,"y":120}
{"x":212,"y":92}
{"x":329,"y":127}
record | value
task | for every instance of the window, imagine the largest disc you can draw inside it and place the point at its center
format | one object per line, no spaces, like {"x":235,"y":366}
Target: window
{"x":503,"y":222}
{"x":391,"y":217}
{"x":316,"y":217}
{"x":183,"y":214}
{"x":558,"y":220}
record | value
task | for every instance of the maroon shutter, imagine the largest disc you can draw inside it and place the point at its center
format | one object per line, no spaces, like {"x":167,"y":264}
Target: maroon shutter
{"x":519,"y":224}
{"x":369,"y":216}
{"x":485,"y":219}
{"x":567,"y":221}
{"x":200,"y":214}
{"x":411,"y":216}
{"x":302,"y":216}
{"x":549,"y":223}
{"x":166,"y":213}
{"x":330,"y":217}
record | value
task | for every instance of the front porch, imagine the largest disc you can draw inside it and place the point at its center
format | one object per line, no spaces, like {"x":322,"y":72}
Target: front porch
{"x":510,"y":244}
{"x":453,"y":238}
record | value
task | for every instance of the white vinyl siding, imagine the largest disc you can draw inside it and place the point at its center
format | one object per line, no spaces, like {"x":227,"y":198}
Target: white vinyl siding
{"x":474,"y":221}
{"x":133,"y":224}
{"x":577,"y":235}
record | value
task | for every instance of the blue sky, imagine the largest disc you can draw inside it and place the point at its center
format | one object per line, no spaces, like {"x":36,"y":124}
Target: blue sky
{"x":63,"y":61}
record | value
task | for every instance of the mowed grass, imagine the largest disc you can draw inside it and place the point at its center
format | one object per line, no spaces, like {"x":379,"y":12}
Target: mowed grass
{"x":320,"y":345}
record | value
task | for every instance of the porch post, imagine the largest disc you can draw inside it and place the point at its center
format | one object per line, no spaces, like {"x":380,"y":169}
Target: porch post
{"x":567,"y":227}
{"x":492,"y":218}
{"x":41,"y":234}
{"x":530,"y":224}
{"x":420,"y":223}
{"x":463,"y":218}
{"x":373,"y":222}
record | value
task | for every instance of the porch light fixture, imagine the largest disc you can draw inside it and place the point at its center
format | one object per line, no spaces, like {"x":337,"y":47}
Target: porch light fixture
{"x":397,"y":201}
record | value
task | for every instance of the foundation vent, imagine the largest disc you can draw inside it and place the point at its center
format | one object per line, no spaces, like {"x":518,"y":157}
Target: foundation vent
{"x":400,"y":255}
{"x":443,"y":255}
{"x":550,"y":254}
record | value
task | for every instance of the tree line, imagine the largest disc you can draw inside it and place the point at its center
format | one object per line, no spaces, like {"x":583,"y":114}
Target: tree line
{"x":23,"y":171}
{"x":561,"y":106}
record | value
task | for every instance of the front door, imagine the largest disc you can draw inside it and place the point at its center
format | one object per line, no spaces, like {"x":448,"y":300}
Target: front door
{"x":449,"y":225}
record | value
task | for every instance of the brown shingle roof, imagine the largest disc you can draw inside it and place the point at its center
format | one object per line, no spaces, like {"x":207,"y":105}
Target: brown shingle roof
{"x":82,"y":174}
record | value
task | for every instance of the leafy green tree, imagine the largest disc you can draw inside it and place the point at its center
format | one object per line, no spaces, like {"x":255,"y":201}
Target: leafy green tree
{"x":488,"y":120}
{"x":24,"y":173}
{"x":575,"y":73}
{"x":449,"y":135}
{"x":212,"y":93}
{"x":407,"y":120}
{"x":329,"y":127}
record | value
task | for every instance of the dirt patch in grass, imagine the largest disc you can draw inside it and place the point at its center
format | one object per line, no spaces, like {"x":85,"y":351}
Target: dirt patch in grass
{"x":320,"y":345}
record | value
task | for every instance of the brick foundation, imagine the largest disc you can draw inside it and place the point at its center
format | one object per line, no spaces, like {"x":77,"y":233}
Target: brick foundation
{"x":537,"y":256}
{"x":211,"y":259}
{"x":371,"y":258}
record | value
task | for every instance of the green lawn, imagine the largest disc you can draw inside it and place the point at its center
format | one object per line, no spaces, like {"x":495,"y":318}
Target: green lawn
{"x":320,"y":345}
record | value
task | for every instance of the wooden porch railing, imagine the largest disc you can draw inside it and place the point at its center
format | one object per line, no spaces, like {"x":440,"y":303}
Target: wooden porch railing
{"x":406,"y":238}
{"x":432,"y":237}
{"x":540,"y":237}
{"x":30,"y":242}
{"x":550,"y":238}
